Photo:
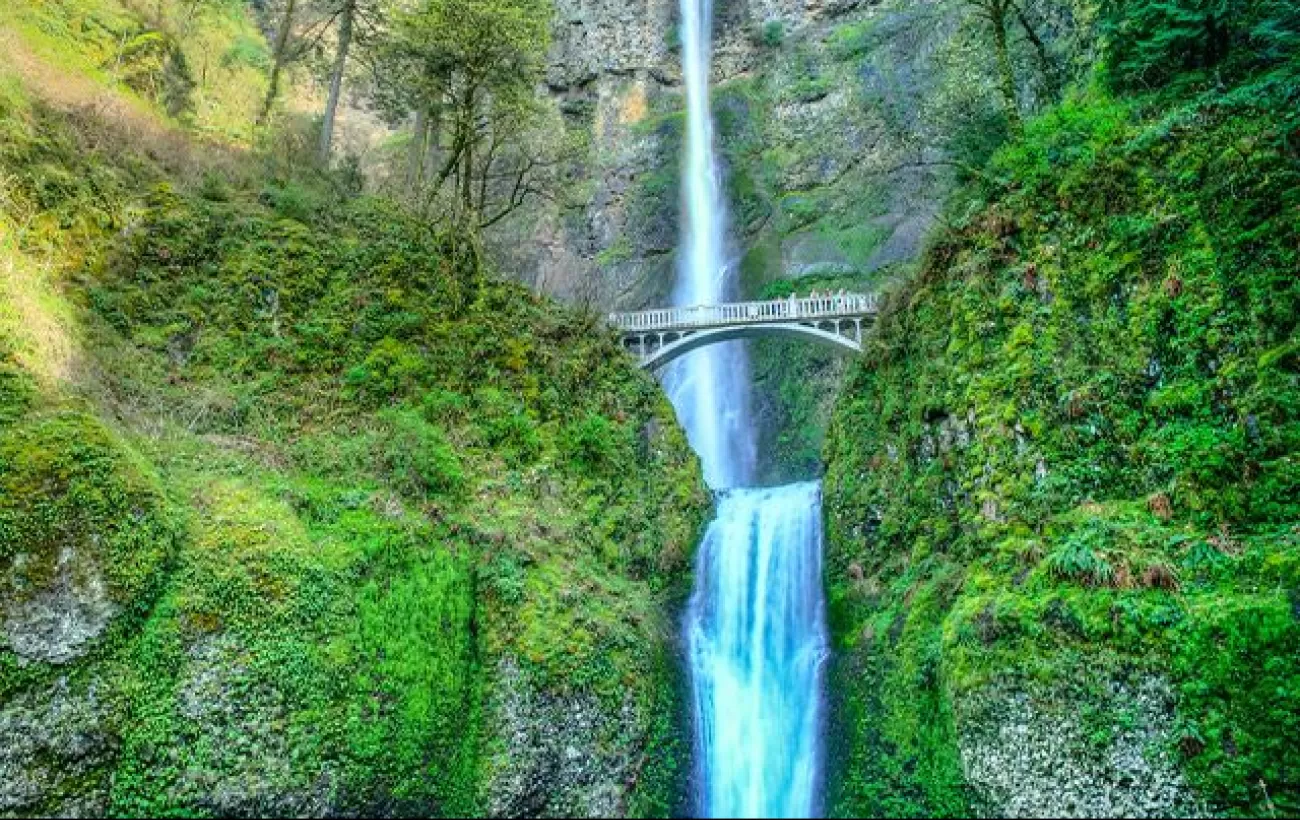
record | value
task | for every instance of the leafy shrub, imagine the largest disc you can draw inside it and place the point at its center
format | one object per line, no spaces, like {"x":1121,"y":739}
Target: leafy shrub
{"x":1079,"y":557}
{"x":771,"y":34}
{"x":595,"y":444}
{"x":505,"y":577}
{"x":391,"y":369}
{"x":444,"y":407}
{"x":292,"y":201}
{"x":420,"y":458}
{"x":214,"y":187}
{"x":245,"y":51}
{"x":506,"y":427}
{"x":852,"y":40}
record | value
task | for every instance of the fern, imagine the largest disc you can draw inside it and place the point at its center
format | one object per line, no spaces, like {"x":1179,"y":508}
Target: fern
{"x":1076,"y":559}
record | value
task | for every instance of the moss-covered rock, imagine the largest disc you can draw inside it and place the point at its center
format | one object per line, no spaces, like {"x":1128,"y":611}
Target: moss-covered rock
{"x":84,"y":538}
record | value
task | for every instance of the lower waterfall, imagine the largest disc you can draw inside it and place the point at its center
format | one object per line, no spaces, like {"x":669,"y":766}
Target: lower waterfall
{"x":757,"y":641}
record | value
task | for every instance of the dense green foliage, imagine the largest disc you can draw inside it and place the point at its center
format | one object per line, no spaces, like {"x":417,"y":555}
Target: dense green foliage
{"x":1155,"y":42}
{"x":476,"y":65}
{"x":1069,"y":461}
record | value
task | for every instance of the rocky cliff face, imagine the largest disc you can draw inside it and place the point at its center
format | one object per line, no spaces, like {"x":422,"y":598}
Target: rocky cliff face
{"x":827,"y":122}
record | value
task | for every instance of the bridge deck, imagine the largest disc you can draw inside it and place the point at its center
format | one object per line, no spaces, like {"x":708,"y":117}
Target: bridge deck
{"x":739,"y":314}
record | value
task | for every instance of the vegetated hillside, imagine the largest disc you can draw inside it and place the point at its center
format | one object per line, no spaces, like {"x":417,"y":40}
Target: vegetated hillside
{"x":201,"y":64}
{"x":1063,"y":487}
{"x":301,"y":513}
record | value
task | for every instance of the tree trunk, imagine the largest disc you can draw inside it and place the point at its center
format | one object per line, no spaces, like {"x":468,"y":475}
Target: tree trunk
{"x":467,"y":180}
{"x":1044,"y":58}
{"x":1007,"y":76}
{"x":336,"y":80}
{"x":415,"y":162}
{"x":467,"y":184}
{"x":281,"y":55}
{"x":432,"y":139}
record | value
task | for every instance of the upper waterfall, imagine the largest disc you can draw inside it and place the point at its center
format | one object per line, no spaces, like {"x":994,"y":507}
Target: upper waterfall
{"x":710,"y":387}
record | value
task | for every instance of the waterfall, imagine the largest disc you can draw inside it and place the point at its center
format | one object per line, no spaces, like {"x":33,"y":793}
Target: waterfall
{"x":755,"y":628}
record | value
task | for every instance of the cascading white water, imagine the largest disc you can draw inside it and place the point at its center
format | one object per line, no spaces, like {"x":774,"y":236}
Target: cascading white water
{"x":757,"y":643}
{"x":756,"y":628}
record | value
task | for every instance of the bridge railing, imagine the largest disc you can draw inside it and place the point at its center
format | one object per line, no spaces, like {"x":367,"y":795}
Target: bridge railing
{"x":831,"y":306}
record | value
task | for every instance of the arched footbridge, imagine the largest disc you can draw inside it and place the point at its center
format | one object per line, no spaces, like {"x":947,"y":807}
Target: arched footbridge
{"x":657,"y":337}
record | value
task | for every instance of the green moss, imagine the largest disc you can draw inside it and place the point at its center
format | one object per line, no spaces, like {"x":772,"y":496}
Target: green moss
{"x":894,"y":742}
{"x":664,"y":773}
{"x":16,"y":389}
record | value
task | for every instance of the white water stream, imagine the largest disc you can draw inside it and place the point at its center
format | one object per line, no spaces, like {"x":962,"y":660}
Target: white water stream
{"x":756,"y":625}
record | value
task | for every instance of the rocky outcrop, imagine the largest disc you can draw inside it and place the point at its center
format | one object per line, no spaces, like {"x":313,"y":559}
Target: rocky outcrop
{"x":1042,"y":756}
{"x":558,"y":756}
{"x":58,"y":622}
{"x":55,"y":746}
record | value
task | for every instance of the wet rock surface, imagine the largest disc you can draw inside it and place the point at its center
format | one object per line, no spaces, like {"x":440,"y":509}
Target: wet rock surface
{"x":820,"y":125}
{"x":54,"y":744}
{"x":559,"y":756}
